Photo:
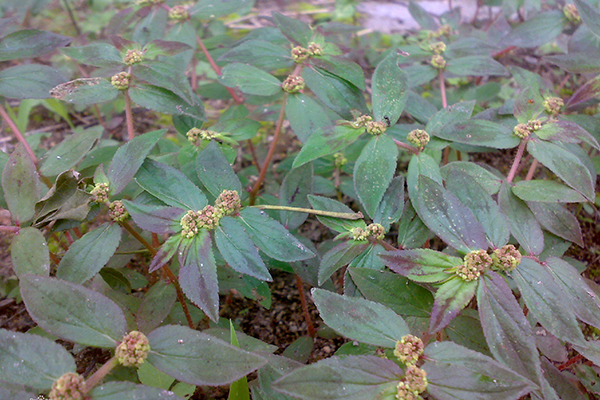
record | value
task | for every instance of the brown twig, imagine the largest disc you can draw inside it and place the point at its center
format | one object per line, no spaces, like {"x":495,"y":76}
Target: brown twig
{"x":311,"y":328}
{"x":217,"y":69}
{"x":570,"y":362}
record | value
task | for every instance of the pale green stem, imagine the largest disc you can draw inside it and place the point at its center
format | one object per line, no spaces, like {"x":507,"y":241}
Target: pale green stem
{"x":324,"y":213}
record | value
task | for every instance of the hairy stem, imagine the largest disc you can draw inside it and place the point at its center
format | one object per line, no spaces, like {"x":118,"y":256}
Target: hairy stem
{"x":311,"y":328}
{"x":405,"y":146}
{"x":97,"y":376}
{"x":18,"y":134}
{"x":518,"y":157}
{"x":333,"y":214}
{"x":129,"y":116}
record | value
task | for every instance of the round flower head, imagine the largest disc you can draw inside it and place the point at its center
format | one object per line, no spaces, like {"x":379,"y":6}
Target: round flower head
{"x":552,"y":105}
{"x":409,"y":349}
{"x":208,"y":218}
{"x":475,"y":263}
{"x":375,"y":128}
{"x":361,"y":121}
{"x":190,"y":224}
{"x":228,"y":203}
{"x":340,"y":160}
{"x":194,"y":136}
{"x":572,"y":14}
{"x":438,"y":47}
{"x":121,"y":80}
{"x":418,"y":138}
{"x":506,"y":258}
{"x":315,"y":49}
{"x":100,"y":193}
{"x":438,"y":62}
{"x":117,"y":211}
{"x":178,"y":13}
{"x":416,"y":379}
{"x":359,"y":234}
{"x":444,"y":30}
{"x":133,"y":349}
{"x":404,"y":392}
{"x":293,"y":84}
{"x":376,"y":231}
{"x":70,"y":386}
{"x":522,"y":131}
{"x":133,"y":57}
{"x":300,"y":54}
{"x":534,"y":125}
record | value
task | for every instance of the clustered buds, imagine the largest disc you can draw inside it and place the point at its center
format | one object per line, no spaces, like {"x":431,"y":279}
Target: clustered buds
{"x":475,"y":263}
{"x":190,"y":224}
{"x":208,"y":218}
{"x":552,"y":105}
{"x":438,"y":47}
{"x":572,"y":14}
{"x":117,"y":211}
{"x":100,"y":193}
{"x":133,"y":57}
{"x":418,"y":138}
{"x":506,"y":258}
{"x":361,"y":121}
{"x":437,"y":61}
{"x":133,"y":349}
{"x":70,"y":386}
{"x":178,"y":13}
{"x":524,"y":130}
{"x":293,"y":84}
{"x":375,"y":128}
{"x":444,"y":30}
{"x":340,"y":160}
{"x":374,"y":231}
{"x":404,"y":392}
{"x":300,"y":54}
{"x":414,"y":383}
{"x":409,"y":349}
{"x":195,"y":135}
{"x":315,"y":49}
{"x":121,"y":80}
{"x":228,"y":203}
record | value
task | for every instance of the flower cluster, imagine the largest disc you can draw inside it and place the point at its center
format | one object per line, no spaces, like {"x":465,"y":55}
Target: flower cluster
{"x":552,"y":105}
{"x":524,"y":130}
{"x":418,"y":138}
{"x":409,"y":349}
{"x":571,"y":13}
{"x":315,"y":49}
{"x":196,"y":135}
{"x":300,"y":54}
{"x":374,"y":231}
{"x":414,"y":383}
{"x":438,"y":47}
{"x":100,"y":193}
{"x":190,"y":224}
{"x":121,"y":80}
{"x":339,"y":160}
{"x":133,"y":57}
{"x":133,"y":349}
{"x":475,"y":263}
{"x":70,"y":386}
{"x":228,"y":203}
{"x":444,"y":30}
{"x":375,"y":128}
{"x":506,"y":258}
{"x":293,"y":84}
{"x":117,"y":211}
{"x":178,"y":13}
{"x":438,"y":62}
{"x":361,"y":121}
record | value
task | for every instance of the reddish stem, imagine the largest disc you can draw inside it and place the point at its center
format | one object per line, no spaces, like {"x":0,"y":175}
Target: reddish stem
{"x":54,"y":259}
{"x":69,"y":237}
{"x":18,"y":134}
{"x":518,"y":157}
{"x":217,"y":69}
{"x":9,"y":228}
{"x":311,"y":328}
{"x":532,"y":169}
{"x":405,"y":146}
{"x":77,"y":231}
{"x":100,"y":374}
{"x":570,"y":362}
{"x":129,"y":116}
{"x":443,"y":89}
{"x":504,"y":51}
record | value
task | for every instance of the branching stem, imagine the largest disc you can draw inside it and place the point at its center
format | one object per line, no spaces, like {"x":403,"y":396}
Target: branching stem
{"x":217,"y":69}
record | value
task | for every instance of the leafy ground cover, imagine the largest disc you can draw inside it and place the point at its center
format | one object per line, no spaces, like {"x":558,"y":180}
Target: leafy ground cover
{"x":206,"y":201}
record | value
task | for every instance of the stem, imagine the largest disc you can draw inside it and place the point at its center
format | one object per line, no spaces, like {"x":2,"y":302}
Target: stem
{"x":443,"y":89}
{"x":72,"y":17}
{"x":54,"y":259}
{"x":502,"y":52}
{"x":129,"y":116}
{"x":405,"y":146}
{"x":215,"y":67}
{"x":570,"y":362}
{"x":263,"y":171}
{"x":18,"y":134}
{"x":311,"y":328}
{"x":100,"y":374}
{"x":532,"y":169}
{"x":253,"y":153}
{"x":386,"y":245}
{"x":165,"y":268}
{"x":7,"y":228}
{"x":333,"y":214}
{"x":518,"y":157}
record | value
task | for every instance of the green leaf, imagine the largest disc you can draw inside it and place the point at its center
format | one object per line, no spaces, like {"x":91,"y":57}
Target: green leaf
{"x":30,"y":43}
{"x":272,"y":238}
{"x":29,"y":81}
{"x":306,"y":116}
{"x":421,"y":265}
{"x":73,"y":312}
{"x":412,"y":233}
{"x":348,"y":378}
{"x":338,"y":256}
{"x":151,"y":376}
{"x":578,"y":63}
{"x":237,"y":249}
{"x":31,"y":360}
{"x":170,"y":186}
{"x":129,"y":158}
{"x":423,"y":18}
{"x":101,"y":55}
{"x":565,"y":165}
{"x":421,"y":164}
{"x":29,"y":253}
{"x":197,"y":358}
{"x":215,"y":172}
{"x":337,"y":224}
{"x":165,"y":101}
{"x":295,"y":30}
{"x":64,"y":200}
{"x":589,"y":15}
{"x":588,"y":91}
{"x":478,"y":132}
{"x":250,"y":80}
{"x":374,"y":170}
{"x":546,"y":192}
{"x":70,"y":151}
{"x":448,"y":218}
{"x":21,"y":185}
{"x":450,"y":299}
{"x":155,"y":219}
{"x":239,"y":389}
{"x":391,"y":206}
{"x":161,"y":74}
{"x":296,"y":186}
{"x":476,"y":66}
{"x":198,"y":275}
{"x":209,"y":9}
{"x":455,"y":372}
{"x":567,"y":132}
{"x":128,"y":390}
{"x":448,"y":115}
{"x":159,"y":47}
{"x":541,"y":29}
{"x":261,"y":54}
{"x":522,"y":222}
{"x":419,"y":108}
{"x":325,"y":141}
{"x":155,"y":306}
{"x":545,"y":300}
{"x":389,"y":87}
{"x":342,"y":67}
{"x":490,"y":182}
{"x":85,"y":91}
{"x":88,"y":254}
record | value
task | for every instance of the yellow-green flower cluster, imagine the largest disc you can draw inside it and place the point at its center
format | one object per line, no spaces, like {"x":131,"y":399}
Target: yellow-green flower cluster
{"x":375,"y":128}
{"x":121,"y":80}
{"x":293,"y":84}
{"x":340,"y":160}
{"x":438,"y":47}
{"x":300,"y":54}
{"x":133,"y":57}
{"x":506,"y":258}
{"x":438,"y":62}
{"x":361,"y":121}
{"x":409,"y":349}
{"x":117,"y":211}
{"x":524,"y":130}
{"x":195,"y":135}
{"x":100,"y":193}
{"x":133,"y":349}
{"x":475,"y":263}
{"x":374,"y":231}
{"x":70,"y":386}
{"x":414,"y":383}
{"x":178,"y":13}
{"x":227,"y":203}
{"x":315,"y":49}
{"x":552,"y":105}
{"x":418,"y":138}
{"x":572,"y":14}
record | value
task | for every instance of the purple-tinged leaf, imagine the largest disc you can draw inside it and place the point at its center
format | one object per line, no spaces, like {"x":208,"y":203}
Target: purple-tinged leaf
{"x":478,"y":132}
{"x":476,"y":66}
{"x":30,"y":43}
{"x":325,"y":141}
{"x":165,"y":252}
{"x":296,"y":186}
{"x":295,"y":30}
{"x":32,"y":360}
{"x":490,"y":182}
{"x":70,"y":151}
{"x":561,"y":382}
{"x":21,"y":184}
{"x":338,"y":256}
{"x":29,"y":253}
{"x":544,"y":191}
{"x":159,"y":47}
{"x":450,"y":299}
{"x":197,"y":358}
{"x":101,"y":55}
{"x":198,"y":274}
{"x":155,"y":306}
{"x":578,"y":63}
{"x":391,"y":206}
{"x":85,"y":91}
{"x":567,"y":132}
{"x":170,"y":186}
{"x":165,"y":101}
{"x":527,"y":105}
{"x":154,"y":218}
{"x":421,"y":265}
{"x":455,"y":372}
{"x":421,"y":164}
{"x":390,"y":89}
{"x":545,"y":299}
{"x":541,"y":29}
{"x":348,"y":378}
{"x":129,"y":158}
{"x":523,"y":225}
{"x":360,"y":319}
{"x":589,"y":15}
{"x":588,"y":91}
{"x":215,"y":172}
{"x":128,"y":390}
{"x":29,"y":81}
{"x":161,"y":74}
{"x":448,"y":218}
{"x":73,"y":312}
{"x":558,"y":220}
{"x":412,"y":233}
